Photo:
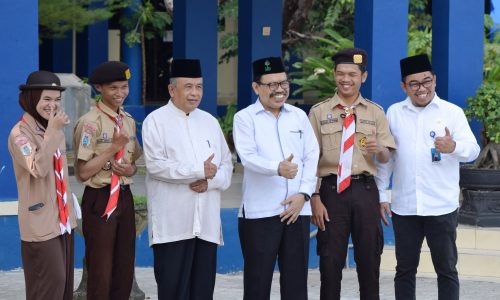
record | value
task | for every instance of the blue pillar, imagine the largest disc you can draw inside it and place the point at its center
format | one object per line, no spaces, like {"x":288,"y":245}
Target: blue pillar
{"x":92,"y":46}
{"x":253,"y":16}
{"x":195,"y":37}
{"x":19,"y":54}
{"x":457,"y":48}
{"x":133,"y":57}
{"x":381,"y":28}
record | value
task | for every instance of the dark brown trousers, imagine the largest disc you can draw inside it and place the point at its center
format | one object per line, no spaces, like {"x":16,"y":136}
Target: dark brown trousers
{"x":109,"y":244}
{"x":48,"y":268}
{"x":356,"y":211}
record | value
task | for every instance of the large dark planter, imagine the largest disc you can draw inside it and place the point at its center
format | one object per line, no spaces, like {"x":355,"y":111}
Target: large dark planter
{"x":481,"y":197}
{"x":141,"y":219}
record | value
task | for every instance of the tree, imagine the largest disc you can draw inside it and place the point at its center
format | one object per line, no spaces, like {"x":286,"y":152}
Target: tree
{"x":57,"y":17}
{"x":145,"y":22}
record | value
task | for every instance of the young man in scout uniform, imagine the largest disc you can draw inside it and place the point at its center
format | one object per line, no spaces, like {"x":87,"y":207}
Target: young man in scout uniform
{"x":352,"y":132}
{"x":106,"y":148}
{"x":279,"y":151}
{"x":435,"y":136}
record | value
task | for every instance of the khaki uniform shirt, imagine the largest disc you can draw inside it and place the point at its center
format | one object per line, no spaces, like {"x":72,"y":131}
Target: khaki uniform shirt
{"x":32,"y":150}
{"x":93,"y":134}
{"x":327,"y":124}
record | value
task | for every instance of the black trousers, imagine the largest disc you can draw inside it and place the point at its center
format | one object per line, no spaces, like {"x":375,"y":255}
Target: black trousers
{"x":109,"y":244}
{"x":185,"y":270}
{"x":356,"y":211}
{"x":48,"y":268}
{"x":441,"y":234}
{"x":265,"y":239}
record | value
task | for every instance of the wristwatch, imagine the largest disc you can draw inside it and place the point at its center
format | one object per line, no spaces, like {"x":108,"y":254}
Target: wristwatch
{"x":306,"y":196}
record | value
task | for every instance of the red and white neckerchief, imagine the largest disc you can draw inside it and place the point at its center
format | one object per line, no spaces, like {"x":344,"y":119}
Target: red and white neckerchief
{"x":346,"y":149}
{"x":61,"y":191}
{"x":115,"y":179}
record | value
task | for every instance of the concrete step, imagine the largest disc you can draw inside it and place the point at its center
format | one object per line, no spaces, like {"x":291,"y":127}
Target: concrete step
{"x":478,"y":254}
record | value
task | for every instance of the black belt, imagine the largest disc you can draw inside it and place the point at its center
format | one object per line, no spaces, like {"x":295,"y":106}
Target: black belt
{"x":123,"y":187}
{"x":353,"y":177}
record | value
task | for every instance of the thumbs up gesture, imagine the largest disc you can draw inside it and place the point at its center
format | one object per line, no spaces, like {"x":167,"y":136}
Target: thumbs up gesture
{"x":287,"y":168}
{"x":371,"y":142}
{"x":445,"y":144}
{"x":210,"y":167}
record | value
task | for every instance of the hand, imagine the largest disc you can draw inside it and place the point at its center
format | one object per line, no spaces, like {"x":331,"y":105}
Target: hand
{"x":295,"y":204}
{"x":120,"y":139}
{"x":210,"y":168}
{"x":57,"y":119}
{"x":288,"y":169}
{"x":445,"y":144}
{"x":123,"y":168}
{"x":319,"y":213}
{"x":199,"y":186}
{"x":371,"y":143}
{"x":385,"y":208}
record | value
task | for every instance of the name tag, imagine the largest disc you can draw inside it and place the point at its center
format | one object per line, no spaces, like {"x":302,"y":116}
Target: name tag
{"x":367,"y":122}
{"x":328,"y":121}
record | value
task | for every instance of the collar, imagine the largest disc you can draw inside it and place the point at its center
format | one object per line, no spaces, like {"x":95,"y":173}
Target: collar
{"x":336,"y":100}
{"x":109,"y":111}
{"x":171,"y":106}
{"x":258,"y":107}
{"x":33,"y":124}
{"x":435,"y":102}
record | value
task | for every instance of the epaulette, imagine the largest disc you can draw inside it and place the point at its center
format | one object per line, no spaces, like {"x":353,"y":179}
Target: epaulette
{"x":128,"y":114}
{"x":376,"y":104}
{"x":319,"y":103}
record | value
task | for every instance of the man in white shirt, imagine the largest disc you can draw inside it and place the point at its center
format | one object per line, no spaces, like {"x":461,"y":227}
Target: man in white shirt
{"x":188,"y":165}
{"x":279,"y":152}
{"x":433,"y":137}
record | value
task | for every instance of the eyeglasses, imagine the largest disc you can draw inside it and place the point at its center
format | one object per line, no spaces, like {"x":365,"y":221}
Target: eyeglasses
{"x":273,"y":86}
{"x":415,"y":85}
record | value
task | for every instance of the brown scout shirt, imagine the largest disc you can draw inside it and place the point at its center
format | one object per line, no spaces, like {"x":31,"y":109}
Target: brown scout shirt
{"x":327,"y":124}
{"x":32,"y":150}
{"x":93,"y":134}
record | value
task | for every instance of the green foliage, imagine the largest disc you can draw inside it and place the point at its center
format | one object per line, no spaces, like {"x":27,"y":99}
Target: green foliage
{"x":485,"y":107}
{"x":57,"y":17}
{"x":228,"y":42}
{"x":226,"y":122}
{"x":491,"y":71}
{"x":316,"y":74}
{"x":145,"y":20}
{"x":420,"y":42}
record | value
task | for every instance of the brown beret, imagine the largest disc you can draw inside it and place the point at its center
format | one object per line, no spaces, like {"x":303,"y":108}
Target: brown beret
{"x":109,"y":72}
{"x":355,"y":56}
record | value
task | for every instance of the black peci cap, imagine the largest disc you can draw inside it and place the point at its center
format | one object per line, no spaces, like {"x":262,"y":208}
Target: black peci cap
{"x":415,"y":64}
{"x":356,"y":56}
{"x":188,"y":68}
{"x":268,"y":65}
{"x":109,"y":72}
{"x":42,"y":80}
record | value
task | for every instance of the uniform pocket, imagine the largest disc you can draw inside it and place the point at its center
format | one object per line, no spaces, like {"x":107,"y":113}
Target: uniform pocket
{"x":331,"y":134}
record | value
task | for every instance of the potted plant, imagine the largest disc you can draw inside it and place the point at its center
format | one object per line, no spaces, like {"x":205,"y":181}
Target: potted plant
{"x":480,"y":182}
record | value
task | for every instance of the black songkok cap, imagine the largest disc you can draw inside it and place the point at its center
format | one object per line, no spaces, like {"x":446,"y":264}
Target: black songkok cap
{"x":109,"y":72}
{"x":356,"y":56}
{"x":414,"y":64}
{"x":189,"y":68}
{"x":268,"y":65}
{"x":42,"y":80}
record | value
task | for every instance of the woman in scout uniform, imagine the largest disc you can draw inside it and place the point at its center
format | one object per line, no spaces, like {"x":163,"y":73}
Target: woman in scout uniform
{"x":105,"y":151}
{"x":46,"y":212}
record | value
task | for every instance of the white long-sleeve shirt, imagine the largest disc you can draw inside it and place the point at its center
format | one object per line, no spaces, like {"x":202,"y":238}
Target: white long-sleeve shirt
{"x":420,"y":186}
{"x":175,"y":148}
{"x":262,"y":142}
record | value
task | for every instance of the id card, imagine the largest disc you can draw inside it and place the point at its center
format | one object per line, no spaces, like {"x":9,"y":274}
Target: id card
{"x":435,"y":155}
